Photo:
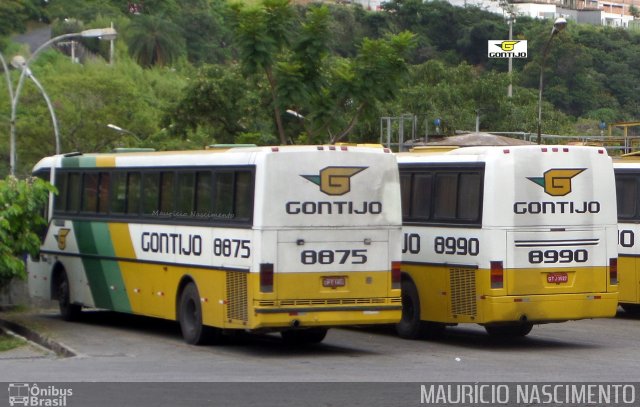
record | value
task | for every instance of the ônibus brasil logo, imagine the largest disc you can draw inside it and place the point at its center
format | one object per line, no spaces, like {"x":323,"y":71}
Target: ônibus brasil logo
{"x":557,"y":182}
{"x":25,"y":394}
{"x":334,"y":180}
{"x":507,"y":49}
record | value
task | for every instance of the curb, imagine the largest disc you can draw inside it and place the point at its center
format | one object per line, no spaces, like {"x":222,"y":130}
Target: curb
{"x":58,"y":348}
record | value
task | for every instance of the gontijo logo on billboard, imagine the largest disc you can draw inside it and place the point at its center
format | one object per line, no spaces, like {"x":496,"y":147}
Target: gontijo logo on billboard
{"x":507,"y":49}
{"x":557,"y":182}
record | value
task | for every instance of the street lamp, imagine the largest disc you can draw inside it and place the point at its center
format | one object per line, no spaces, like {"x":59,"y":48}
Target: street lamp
{"x":19,"y":62}
{"x":295,"y":114}
{"x":558,"y":26}
{"x":102,"y":33}
{"x":123,"y":131}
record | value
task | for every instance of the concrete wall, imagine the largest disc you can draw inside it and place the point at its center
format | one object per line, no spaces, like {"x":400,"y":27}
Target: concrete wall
{"x":16,"y":293}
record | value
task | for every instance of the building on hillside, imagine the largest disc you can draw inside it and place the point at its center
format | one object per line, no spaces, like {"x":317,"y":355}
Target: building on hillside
{"x":596,"y":12}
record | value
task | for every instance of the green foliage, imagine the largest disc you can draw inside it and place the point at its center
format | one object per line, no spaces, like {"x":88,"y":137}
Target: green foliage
{"x":236,"y":69}
{"x":154,"y":40}
{"x":10,"y":342}
{"x":21,"y":203}
{"x":14,"y":15}
{"x":217,"y":101}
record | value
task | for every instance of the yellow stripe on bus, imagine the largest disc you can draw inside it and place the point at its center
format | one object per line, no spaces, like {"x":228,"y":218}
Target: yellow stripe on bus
{"x":105,"y":161}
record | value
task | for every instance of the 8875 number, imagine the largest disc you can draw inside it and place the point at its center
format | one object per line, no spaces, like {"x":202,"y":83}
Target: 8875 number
{"x":355,"y":256}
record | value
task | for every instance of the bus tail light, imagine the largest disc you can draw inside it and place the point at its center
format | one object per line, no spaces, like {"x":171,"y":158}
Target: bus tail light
{"x":266,"y":277}
{"x":613,"y":271}
{"x":497,"y":274}
{"x":396,"y":277}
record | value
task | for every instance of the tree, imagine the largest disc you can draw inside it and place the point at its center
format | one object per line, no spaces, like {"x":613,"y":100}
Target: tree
{"x":21,"y":203}
{"x":153,"y":40}
{"x":14,"y":15}
{"x":218,"y":102}
{"x":262,"y":32}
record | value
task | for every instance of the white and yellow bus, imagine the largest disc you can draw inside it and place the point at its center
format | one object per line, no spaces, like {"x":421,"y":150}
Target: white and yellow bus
{"x":289,"y":239}
{"x":506,"y":237}
{"x":627,"y":173}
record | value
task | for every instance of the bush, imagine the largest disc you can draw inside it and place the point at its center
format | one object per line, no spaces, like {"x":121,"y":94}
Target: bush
{"x":21,"y":220}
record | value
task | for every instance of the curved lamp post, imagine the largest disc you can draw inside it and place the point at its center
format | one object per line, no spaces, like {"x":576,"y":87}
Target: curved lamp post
{"x":7,"y":77}
{"x":19,"y":62}
{"x":558,"y":26}
{"x":102,"y":33}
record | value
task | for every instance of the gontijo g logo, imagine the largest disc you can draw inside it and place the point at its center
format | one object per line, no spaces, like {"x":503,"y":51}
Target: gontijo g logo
{"x":507,"y":49}
{"x":334,"y":180}
{"x":557,"y":182}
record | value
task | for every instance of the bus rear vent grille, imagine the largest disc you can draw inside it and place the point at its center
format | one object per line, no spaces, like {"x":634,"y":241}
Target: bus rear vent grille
{"x":237,"y":307}
{"x":463,"y":291}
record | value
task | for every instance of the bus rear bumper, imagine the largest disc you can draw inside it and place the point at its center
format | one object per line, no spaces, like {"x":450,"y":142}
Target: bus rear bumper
{"x":546,"y":308}
{"x":274,"y":318}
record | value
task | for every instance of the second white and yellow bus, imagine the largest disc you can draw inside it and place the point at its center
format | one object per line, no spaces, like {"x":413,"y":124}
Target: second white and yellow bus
{"x":290,"y":239}
{"x":627,"y":173}
{"x":507,"y":237}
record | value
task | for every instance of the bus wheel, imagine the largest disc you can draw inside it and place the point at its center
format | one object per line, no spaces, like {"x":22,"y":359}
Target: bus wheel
{"x":190,"y":318}
{"x":509,"y":330}
{"x":410,"y":326}
{"x":304,"y":336}
{"x":68,"y":310}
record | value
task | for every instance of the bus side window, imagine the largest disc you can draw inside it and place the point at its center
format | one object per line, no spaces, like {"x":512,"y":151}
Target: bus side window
{"x":204,"y":190}
{"x":243,"y":195}
{"x":60,"y":200}
{"x":223,"y":197}
{"x":167,"y":192}
{"x":627,"y":196}
{"x":151,"y":193}
{"x":469,"y":196}
{"x":446,"y":191}
{"x":405,"y":193}
{"x":74,"y":188}
{"x":421,"y":197}
{"x":90,"y":192}
{"x":118,"y":192}
{"x":133,"y":193}
{"x":186,"y":192}
{"x":103,"y":192}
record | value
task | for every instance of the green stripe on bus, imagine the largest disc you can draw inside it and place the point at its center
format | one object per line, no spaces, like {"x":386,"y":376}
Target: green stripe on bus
{"x":105,"y":277}
{"x":78,"y":161}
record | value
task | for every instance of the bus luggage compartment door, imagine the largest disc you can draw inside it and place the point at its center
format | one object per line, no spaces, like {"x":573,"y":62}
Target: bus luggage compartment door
{"x":556,"y":261}
{"x":315,"y":264}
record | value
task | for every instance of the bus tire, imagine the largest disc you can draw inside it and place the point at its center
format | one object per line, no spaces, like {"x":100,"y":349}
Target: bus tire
{"x":308,"y":336}
{"x":410,"y":326}
{"x":190,"y":318}
{"x":515,"y":330}
{"x":68,"y":310}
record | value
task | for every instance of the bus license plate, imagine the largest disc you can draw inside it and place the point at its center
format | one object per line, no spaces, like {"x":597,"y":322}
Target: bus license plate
{"x":334,"y":282}
{"x":557,"y":278}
